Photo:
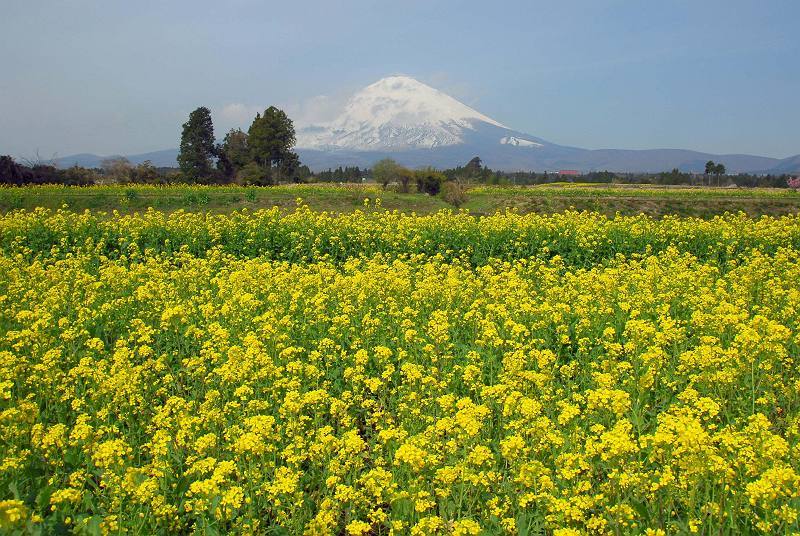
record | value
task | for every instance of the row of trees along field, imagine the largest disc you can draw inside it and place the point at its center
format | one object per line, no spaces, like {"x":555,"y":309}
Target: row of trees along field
{"x":263,"y":156}
{"x":715,"y":175}
{"x":233,"y":164}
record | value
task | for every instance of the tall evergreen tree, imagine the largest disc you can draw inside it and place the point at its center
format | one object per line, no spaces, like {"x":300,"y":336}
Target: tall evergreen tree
{"x":197,"y":146}
{"x":270,"y":140}
{"x":224,"y":166}
{"x":711,"y":169}
{"x":233,"y":154}
{"x":235,"y":148}
{"x":719,"y":171}
{"x":289,"y":166}
{"x":474,"y":166}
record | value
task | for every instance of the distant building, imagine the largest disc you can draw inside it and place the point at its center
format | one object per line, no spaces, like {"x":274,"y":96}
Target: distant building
{"x":569,"y":172}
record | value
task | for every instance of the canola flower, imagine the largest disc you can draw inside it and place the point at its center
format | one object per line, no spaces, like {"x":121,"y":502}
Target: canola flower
{"x":304,"y":236}
{"x":566,"y":374}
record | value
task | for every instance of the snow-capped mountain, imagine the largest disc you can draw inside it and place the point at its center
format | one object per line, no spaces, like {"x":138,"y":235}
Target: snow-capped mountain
{"x":417,"y":125}
{"x":399,"y":113}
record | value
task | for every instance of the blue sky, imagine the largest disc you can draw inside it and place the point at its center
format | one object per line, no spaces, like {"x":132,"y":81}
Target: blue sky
{"x":120,"y":77}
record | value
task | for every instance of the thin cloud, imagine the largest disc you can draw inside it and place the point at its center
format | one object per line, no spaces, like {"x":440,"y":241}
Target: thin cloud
{"x":312,"y":111}
{"x":236,"y":115}
{"x":315,"y":110}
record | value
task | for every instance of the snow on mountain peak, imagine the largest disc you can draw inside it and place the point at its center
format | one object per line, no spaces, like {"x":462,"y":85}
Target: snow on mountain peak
{"x":397,"y":112}
{"x":518,"y":142}
{"x":404,"y":101}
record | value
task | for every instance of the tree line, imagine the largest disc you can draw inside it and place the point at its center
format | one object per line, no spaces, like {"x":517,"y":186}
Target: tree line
{"x":341,"y":174}
{"x":263,"y":155}
{"x":715,"y":175}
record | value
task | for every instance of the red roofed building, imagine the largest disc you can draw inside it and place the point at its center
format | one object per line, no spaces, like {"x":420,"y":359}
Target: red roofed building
{"x":569,"y":172}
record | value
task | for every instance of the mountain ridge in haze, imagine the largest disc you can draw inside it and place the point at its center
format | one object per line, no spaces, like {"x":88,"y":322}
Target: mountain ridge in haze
{"x":401,"y":118}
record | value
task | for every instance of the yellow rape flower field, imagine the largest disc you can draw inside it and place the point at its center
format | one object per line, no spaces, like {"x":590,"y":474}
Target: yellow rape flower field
{"x":378,"y":373}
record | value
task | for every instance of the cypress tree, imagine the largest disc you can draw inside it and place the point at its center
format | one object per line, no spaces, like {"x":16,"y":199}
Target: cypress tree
{"x":270,"y":140}
{"x":197,"y":146}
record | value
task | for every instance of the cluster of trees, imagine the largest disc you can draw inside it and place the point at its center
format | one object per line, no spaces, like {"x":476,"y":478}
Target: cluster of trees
{"x":340,"y":174}
{"x":475,"y":171}
{"x":118,"y":169}
{"x":714,"y":170}
{"x":427,"y":180}
{"x":115,"y":169}
{"x":261,"y":156}
{"x":385,"y":172}
{"x":16,"y":174}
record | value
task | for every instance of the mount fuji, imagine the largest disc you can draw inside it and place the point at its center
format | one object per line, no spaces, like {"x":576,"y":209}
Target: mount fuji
{"x":401,"y":118}
{"x":397,"y":113}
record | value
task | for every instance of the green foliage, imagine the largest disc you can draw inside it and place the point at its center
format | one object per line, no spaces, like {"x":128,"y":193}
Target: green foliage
{"x":289,"y":168}
{"x":145,"y":173}
{"x":715,"y":170}
{"x":579,"y":239}
{"x":225,"y":170}
{"x":386,"y":171}
{"x":429,"y":181}
{"x":474,"y":166}
{"x":482,"y":200}
{"x":341,"y":174}
{"x":197,"y":146}
{"x":270,"y":140}
{"x":406,"y":176}
{"x":78,"y":176}
{"x":232,"y":372}
{"x":233,"y":154}
{"x":196,"y":198}
{"x":473,"y":171}
{"x":253,"y":174}
{"x":603,"y":176}
{"x":675,"y":177}
{"x":235,"y":147}
{"x":304,"y":173}
{"x":12,"y":173}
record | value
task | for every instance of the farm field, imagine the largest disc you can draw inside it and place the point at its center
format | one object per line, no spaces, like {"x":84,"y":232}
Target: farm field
{"x":372,"y":372}
{"x":480,"y":200}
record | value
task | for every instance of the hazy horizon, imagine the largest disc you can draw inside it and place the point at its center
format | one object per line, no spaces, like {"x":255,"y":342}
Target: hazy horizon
{"x":92,"y":77}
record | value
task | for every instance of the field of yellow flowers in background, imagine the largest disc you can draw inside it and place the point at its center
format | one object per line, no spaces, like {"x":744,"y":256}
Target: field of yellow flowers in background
{"x":379,"y":373}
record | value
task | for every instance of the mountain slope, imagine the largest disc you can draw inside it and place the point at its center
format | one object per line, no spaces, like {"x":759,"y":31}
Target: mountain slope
{"x":402,"y":118}
{"x":417,"y":125}
{"x":788,"y":165}
{"x":395,"y":113}
{"x":163,"y":158}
